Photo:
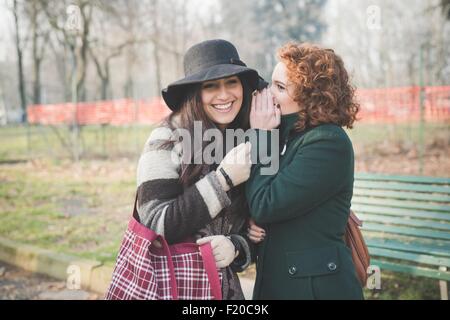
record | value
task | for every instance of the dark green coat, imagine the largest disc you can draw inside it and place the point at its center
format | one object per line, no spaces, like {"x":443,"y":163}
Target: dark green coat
{"x":304,"y":209}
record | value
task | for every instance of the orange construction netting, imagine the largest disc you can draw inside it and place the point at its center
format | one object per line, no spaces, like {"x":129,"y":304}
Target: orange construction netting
{"x":389,"y":105}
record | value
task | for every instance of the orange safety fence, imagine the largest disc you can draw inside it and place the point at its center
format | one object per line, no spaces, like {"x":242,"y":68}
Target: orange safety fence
{"x":394,"y":105}
{"x":389,"y":105}
{"x":114,"y":112}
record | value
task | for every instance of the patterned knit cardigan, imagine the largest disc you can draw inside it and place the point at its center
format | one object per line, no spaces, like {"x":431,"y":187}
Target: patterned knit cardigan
{"x":178,"y":213}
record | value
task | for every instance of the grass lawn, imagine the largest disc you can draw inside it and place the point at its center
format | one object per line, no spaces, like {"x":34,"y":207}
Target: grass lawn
{"x":80,"y":209}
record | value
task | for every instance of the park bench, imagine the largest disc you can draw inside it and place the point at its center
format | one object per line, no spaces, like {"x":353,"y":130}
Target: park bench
{"x":406,"y":223}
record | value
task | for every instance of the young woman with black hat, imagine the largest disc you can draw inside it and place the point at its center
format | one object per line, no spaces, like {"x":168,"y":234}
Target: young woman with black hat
{"x":181,"y":198}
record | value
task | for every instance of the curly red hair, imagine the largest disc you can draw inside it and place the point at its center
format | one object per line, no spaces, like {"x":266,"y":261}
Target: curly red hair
{"x":322,"y":87}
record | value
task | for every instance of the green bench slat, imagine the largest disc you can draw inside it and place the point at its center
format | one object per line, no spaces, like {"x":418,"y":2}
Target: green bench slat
{"x":401,"y":195}
{"x":404,"y":222}
{"x":411,"y":179}
{"x":443,"y":244}
{"x":401,"y":204}
{"x":400,"y":221}
{"x":406,"y":231}
{"x":401,"y":186}
{"x":416,"y":271}
{"x":416,"y":247}
{"x":361,"y":208}
{"x":413,"y":257}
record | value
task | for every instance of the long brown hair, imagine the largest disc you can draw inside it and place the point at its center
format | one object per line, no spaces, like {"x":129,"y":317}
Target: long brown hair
{"x":191,"y":109}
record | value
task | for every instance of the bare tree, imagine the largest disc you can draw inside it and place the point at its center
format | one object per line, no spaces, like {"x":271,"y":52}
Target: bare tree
{"x":445,"y":5}
{"x":269,"y":24}
{"x":113,"y":32}
{"x":381,"y":41}
{"x":19,"y":43}
{"x":56,"y":15}
{"x":39,"y":37}
{"x":156,"y":43}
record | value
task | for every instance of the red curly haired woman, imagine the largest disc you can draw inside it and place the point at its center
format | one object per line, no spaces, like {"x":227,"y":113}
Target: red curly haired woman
{"x":302,"y":211}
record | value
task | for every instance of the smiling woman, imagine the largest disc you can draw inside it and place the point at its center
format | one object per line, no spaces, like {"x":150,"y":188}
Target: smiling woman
{"x":304,"y":208}
{"x":222,"y":100}
{"x":185,"y":200}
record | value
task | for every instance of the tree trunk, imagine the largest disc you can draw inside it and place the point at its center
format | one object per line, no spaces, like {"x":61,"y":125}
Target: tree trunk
{"x":23,"y":102}
{"x":37,"y":81}
{"x":82,"y":64}
{"x":129,"y":84}
{"x":156,"y":47}
{"x":37,"y":59}
{"x":105,"y":82}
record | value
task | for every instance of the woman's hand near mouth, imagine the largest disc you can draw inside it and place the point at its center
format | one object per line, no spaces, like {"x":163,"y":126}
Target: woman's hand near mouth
{"x":264,"y":113}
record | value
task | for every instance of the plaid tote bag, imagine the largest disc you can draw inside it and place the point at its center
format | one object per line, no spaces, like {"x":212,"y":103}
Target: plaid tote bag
{"x":143,"y":271}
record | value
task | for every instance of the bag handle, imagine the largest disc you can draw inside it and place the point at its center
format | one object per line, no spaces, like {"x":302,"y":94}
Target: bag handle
{"x":208,"y":262}
{"x":355,"y":219}
{"x":210,"y":267}
{"x":173,"y":280}
{"x":154,"y":236}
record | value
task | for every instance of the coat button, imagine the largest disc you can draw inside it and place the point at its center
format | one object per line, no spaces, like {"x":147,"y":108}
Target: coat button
{"x":332,"y":266}
{"x":292,"y":270}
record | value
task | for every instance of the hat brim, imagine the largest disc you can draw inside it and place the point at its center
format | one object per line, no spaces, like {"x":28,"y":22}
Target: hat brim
{"x":176,"y":90}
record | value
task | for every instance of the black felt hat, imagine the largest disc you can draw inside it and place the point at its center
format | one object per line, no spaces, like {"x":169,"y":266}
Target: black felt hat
{"x":210,"y":60}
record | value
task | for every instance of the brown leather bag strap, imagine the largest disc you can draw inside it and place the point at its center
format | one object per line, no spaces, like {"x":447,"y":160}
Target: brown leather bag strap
{"x":354,"y":218}
{"x":355,"y":241}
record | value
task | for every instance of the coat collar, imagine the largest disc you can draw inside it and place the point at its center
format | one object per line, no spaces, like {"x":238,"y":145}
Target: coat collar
{"x":287,"y":123}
